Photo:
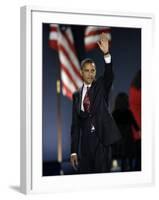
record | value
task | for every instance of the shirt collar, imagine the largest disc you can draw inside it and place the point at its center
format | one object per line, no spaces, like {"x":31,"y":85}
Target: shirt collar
{"x":85,"y":85}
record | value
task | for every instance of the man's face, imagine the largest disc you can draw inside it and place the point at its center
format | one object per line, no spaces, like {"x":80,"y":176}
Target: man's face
{"x":88,"y":73}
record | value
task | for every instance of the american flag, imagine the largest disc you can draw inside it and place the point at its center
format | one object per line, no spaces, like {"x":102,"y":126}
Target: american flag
{"x":92,"y":34}
{"x":61,"y":39}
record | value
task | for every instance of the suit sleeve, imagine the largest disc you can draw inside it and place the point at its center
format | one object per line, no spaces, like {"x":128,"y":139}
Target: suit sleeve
{"x":108,"y":77}
{"x":75,"y":127}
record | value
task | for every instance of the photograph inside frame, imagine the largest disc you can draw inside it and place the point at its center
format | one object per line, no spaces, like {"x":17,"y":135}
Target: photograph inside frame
{"x":91,"y":99}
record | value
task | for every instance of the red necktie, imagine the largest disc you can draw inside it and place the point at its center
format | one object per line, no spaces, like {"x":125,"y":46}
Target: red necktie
{"x":86,"y":101}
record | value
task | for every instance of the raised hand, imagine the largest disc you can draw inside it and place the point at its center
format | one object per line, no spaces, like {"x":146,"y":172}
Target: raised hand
{"x":103,"y":43}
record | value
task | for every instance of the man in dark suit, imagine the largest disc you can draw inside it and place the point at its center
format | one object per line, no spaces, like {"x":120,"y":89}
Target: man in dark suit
{"x":93,"y":129}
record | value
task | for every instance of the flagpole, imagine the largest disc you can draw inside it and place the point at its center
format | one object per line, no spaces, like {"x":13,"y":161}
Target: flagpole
{"x":59,"y":125}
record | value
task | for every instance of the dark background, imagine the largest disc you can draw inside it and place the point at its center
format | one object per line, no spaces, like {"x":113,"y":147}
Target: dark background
{"x":126,"y":56}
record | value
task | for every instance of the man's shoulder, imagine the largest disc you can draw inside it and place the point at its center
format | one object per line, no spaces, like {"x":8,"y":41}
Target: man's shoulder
{"x":77,"y":92}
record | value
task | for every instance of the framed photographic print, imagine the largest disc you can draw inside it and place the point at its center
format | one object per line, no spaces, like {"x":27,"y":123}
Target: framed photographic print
{"x":72,"y":141}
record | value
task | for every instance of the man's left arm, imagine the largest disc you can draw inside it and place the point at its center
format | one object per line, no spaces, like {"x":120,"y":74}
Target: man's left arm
{"x":108,"y":72}
{"x":103,"y":44}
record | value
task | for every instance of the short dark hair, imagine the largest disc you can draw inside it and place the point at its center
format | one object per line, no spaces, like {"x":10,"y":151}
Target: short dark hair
{"x":87,"y":61}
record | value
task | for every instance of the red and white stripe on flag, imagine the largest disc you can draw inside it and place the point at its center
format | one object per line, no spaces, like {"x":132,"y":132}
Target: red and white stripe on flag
{"x":63,"y":42}
{"x":92,"y":35}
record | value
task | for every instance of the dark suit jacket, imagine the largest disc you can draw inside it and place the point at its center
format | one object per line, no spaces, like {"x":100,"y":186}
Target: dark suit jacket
{"x":99,"y":115}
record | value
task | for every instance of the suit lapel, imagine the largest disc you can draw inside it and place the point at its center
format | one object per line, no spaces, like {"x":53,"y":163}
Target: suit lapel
{"x":91,"y":92}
